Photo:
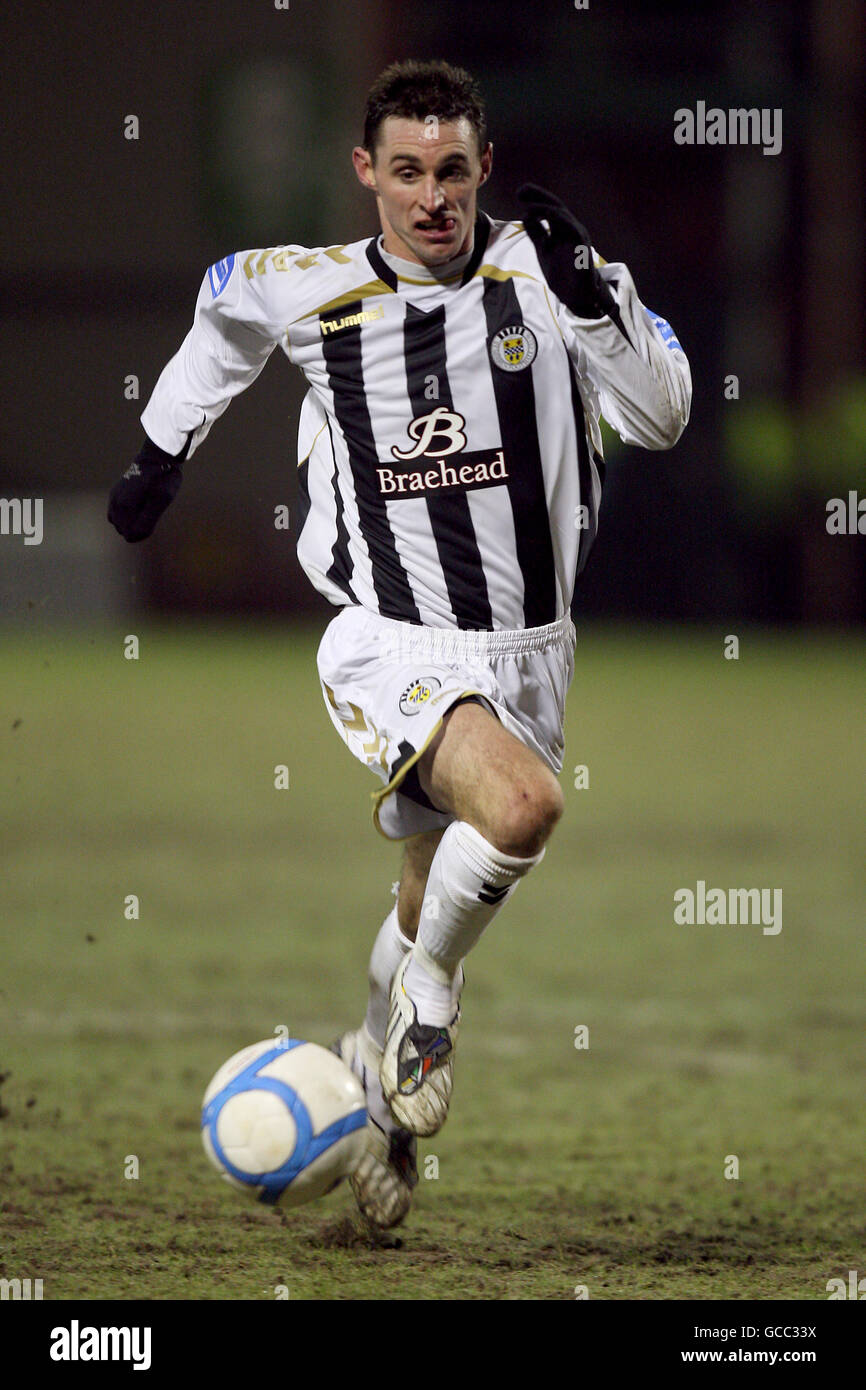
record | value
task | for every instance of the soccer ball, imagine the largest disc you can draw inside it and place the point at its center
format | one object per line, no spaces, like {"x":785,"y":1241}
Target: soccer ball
{"x":284,"y":1121}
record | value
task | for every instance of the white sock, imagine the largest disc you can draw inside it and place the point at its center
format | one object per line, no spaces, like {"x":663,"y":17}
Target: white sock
{"x":365,"y":1065}
{"x":469,"y":880}
{"x":436,"y":1002}
{"x":389,"y":949}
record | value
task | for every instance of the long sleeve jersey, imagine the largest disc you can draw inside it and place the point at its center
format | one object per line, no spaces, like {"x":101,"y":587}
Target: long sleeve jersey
{"x":450,"y":455}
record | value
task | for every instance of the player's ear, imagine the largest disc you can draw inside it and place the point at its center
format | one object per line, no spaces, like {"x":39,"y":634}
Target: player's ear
{"x":486,"y":163}
{"x":363,"y":162}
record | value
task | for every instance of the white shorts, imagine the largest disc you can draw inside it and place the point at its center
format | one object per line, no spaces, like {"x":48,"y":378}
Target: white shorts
{"x":388,"y":684}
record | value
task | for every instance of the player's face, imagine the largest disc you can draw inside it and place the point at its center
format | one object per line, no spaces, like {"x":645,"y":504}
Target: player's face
{"x":426,"y":175}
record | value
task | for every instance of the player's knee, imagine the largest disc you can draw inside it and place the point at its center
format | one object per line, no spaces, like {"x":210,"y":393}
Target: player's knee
{"x":527,"y":817}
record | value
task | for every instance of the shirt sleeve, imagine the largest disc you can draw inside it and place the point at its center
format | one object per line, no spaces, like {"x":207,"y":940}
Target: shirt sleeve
{"x":230,"y":341}
{"x":633,"y":369}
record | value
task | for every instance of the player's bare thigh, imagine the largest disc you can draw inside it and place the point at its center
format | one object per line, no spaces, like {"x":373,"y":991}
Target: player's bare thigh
{"x":484,"y":775}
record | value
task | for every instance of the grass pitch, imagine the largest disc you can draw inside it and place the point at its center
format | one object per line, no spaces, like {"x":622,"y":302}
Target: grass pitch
{"x":562,"y":1168}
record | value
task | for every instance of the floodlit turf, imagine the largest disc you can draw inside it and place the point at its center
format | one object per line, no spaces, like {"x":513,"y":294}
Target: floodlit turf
{"x":561,"y":1166}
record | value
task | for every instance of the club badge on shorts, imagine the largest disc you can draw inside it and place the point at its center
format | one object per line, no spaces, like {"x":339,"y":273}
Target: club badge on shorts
{"x":416,"y":695}
{"x":514,"y":348}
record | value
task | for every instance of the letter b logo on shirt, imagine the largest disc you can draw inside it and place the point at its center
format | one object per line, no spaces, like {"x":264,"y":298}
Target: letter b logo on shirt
{"x":424,"y":429}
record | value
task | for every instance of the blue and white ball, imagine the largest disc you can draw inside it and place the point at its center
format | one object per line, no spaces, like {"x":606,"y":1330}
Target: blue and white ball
{"x":284,"y":1121}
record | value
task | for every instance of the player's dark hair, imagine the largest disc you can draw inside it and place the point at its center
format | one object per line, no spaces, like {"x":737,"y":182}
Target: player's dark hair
{"x":416,"y":90}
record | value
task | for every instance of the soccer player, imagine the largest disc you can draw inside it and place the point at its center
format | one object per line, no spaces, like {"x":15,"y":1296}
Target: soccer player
{"x":450,"y":474}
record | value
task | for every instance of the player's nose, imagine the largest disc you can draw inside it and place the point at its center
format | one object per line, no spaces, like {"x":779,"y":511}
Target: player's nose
{"x":432,"y":196}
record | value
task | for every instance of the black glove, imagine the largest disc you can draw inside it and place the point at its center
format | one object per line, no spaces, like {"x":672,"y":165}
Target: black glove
{"x":136,"y":503}
{"x":565,"y":254}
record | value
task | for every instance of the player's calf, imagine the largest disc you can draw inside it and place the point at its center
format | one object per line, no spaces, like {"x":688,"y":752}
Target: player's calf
{"x":418,"y":855}
{"x":506,"y":802}
{"x":469,"y":881}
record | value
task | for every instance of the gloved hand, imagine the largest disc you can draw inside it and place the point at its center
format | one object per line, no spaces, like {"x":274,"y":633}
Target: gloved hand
{"x":139,"y":499}
{"x":565,"y":254}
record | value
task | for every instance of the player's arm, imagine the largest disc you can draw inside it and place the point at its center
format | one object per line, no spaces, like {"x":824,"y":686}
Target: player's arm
{"x":627,"y":355}
{"x":635,"y":365}
{"x":230,"y":341}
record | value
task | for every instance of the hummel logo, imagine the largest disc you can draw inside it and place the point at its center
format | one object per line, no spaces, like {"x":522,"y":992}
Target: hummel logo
{"x":351,"y":320}
{"x":493,"y":895}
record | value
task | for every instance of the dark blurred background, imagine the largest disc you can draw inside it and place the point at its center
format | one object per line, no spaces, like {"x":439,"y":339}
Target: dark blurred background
{"x":247,"y":114}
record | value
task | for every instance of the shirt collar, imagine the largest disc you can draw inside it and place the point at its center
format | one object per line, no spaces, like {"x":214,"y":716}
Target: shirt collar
{"x":471,"y":260}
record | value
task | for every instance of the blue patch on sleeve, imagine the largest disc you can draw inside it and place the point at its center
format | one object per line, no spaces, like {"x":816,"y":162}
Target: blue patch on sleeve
{"x":219,"y":275}
{"x":664,"y":328}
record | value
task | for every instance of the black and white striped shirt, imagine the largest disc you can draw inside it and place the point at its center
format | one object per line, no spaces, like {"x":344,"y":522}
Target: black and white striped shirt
{"x":449,"y":447}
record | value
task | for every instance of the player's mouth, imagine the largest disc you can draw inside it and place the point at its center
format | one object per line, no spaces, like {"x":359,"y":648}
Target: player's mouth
{"x":439,"y":231}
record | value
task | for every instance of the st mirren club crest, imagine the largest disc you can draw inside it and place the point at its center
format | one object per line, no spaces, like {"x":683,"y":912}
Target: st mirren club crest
{"x":514,"y":348}
{"x":416,"y":695}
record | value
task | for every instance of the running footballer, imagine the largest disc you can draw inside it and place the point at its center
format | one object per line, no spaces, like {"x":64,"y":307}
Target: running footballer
{"x":450,"y":475}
